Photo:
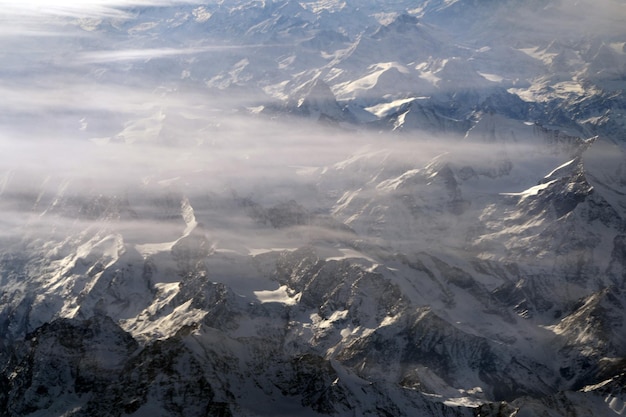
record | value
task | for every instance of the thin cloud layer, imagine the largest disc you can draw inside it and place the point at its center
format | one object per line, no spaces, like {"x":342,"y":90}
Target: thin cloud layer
{"x":569,"y":20}
{"x":80,"y":8}
{"x":85,"y":115}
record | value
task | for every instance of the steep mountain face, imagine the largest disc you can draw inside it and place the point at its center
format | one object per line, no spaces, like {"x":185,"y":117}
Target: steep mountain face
{"x":264,"y":208}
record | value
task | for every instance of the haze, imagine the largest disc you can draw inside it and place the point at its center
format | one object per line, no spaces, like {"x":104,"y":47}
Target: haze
{"x":89,"y":111}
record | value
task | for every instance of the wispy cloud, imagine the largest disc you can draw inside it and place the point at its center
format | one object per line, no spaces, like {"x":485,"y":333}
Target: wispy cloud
{"x":79,"y":8}
{"x":100,"y":57}
{"x":570,"y":19}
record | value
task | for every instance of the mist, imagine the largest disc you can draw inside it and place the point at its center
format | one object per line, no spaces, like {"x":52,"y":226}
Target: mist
{"x":99,"y":132}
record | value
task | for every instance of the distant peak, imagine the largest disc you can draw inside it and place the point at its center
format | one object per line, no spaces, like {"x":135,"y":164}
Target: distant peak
{"x":405,"y":19}
{"x":320,"y":90}
{"x":401,"y":24}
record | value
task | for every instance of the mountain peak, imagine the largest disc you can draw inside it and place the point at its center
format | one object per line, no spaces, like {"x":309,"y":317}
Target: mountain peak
{"x":402,"y":24}
{"x":317,"y":101}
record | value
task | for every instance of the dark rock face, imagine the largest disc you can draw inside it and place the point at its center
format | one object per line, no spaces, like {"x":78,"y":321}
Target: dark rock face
{"x":169,"y":377}
{"x":335,"y":285}
{"x":98,"y":369}
{"x":425,"y":343}
{"x":68,"y":359}
{"x":314,"y":381}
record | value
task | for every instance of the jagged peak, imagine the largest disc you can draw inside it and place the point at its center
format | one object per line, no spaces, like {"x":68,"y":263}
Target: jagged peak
{"x":317,"y":89}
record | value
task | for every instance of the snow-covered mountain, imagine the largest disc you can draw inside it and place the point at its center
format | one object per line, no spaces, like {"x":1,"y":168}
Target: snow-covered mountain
{"x":264,"y":208}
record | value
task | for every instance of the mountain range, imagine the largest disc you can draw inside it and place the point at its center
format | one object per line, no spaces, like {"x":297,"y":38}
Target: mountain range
{"x":279,"y":208}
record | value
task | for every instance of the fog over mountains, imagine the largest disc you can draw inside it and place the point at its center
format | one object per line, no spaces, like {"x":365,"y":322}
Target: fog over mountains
{"x":341,"y":208}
